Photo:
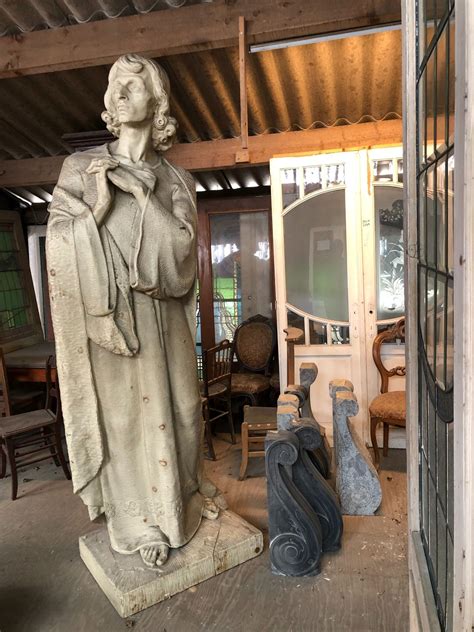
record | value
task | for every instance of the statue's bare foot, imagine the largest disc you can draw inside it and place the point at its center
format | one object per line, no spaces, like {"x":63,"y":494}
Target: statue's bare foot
{"x":211,"y":510}
{"x":163,"y":551}
{"x":155,"y":555}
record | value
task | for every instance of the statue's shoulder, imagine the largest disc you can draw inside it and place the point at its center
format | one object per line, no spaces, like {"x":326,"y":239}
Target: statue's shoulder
{"x":183,"y":176}
{"x":80,"y":160}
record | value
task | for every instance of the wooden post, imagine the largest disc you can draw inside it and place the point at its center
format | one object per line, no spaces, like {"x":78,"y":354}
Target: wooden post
{"x":293,"y":336}
{"x":243,"y":154}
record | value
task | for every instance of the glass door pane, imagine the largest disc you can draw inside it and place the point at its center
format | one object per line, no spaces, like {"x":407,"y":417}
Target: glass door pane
{"x":315,"y":256}
{"x":241,"y":269}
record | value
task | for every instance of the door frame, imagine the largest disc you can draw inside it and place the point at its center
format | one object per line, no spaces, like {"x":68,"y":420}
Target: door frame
{"x":423,"y":615}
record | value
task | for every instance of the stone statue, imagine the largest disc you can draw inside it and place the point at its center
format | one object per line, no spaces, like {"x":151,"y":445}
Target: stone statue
{"x":121,"y":252}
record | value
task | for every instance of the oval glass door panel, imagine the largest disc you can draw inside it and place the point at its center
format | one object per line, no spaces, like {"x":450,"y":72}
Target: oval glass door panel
{"x":316,"y":256}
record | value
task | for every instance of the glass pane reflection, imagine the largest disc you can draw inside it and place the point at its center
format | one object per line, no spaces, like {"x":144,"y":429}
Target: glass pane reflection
{"x":430,"y":318}
{"x":289,"y":186}
{"x":317,"y":333}
{"x":241,"y":274}
{"x":297,"y":321}
{"x":315,"y":256}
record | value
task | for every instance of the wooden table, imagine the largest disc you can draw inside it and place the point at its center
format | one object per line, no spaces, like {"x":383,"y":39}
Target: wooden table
{"x":29,"y":363}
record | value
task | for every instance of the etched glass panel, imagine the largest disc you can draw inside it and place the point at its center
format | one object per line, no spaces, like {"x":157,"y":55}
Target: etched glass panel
{"x":388,"y":202}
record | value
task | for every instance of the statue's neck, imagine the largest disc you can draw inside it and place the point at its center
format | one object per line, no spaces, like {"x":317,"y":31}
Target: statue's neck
{"x":135,"y":143}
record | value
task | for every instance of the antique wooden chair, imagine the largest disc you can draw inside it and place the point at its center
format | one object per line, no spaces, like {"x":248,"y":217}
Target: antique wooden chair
{"x":33,"y":436}
{"x":216,"y":388}
{"x":254,"y":346}
{"x":17,"y":398}
{"x":258,"y":420}
{"x":389,"y":407}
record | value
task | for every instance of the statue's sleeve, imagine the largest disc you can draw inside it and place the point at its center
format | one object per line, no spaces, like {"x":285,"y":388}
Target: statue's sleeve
{"x":163,"y":246}
{"x":78,"y":394}
{"x":96,"y":278}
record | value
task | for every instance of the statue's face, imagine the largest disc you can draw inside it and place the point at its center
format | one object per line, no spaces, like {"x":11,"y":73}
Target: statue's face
{"x":133,"y":98}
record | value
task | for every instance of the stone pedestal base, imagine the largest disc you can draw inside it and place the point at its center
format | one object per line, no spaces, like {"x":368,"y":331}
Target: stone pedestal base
{"x":130,"y":586}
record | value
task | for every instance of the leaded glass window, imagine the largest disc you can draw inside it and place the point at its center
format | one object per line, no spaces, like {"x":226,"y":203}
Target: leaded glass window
{"x":435,"y":176}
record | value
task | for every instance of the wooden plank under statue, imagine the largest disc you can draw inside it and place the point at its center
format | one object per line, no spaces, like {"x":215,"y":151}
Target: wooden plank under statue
{"x":303,"y":510}
{"x":121,"y":251}
{"x":357,"y":482}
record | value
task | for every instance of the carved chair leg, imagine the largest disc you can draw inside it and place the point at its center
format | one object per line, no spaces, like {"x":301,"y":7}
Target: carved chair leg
{"x":3,"y":467}
{"x":11,"y":457}
{"x":386,"y":428}
{"x":374,"y":422}
{"x":245,"y":451}
{"x":60,"y":453}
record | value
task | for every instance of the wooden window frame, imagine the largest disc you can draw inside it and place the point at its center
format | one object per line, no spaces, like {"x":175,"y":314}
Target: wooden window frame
{"x":423,"y":614}
{"x":219,"y":206}
{"x":33,"y":333}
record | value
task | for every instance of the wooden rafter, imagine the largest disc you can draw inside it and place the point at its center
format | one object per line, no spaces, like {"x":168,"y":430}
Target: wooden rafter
{"x":221,"y":154}
{"x":243,"y":154}
{"x":189,"y":29}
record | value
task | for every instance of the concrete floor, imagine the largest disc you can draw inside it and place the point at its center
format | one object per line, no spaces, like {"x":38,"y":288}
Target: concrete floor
{"x":44,"y":585}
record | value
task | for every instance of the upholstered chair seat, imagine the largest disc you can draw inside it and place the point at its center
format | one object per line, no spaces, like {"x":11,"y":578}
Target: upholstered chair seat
{"x":389,"y":406}
{"x":253,"y":383}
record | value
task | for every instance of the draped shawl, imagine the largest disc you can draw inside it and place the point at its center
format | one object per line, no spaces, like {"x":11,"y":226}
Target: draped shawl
{"x":89,"y":284}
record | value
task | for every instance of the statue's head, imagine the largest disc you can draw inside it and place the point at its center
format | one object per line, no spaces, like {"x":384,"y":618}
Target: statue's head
{"x":133,"y":77}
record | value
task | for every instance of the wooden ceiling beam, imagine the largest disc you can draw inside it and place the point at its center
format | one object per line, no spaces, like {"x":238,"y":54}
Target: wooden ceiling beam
{"x":188,"y":29}
{"x":221,"y":154}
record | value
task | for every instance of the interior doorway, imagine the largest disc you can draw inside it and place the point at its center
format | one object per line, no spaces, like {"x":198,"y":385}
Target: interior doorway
{"x":339,"y":260}
{"x":235,"y":257}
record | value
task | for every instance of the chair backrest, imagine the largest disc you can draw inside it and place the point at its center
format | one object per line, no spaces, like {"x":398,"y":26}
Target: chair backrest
{"x":397,"y":331}
{"x":53,"y":399}
{"x":5,"y":404}
{"x":254,"y":344}
{"x":217,"y":364}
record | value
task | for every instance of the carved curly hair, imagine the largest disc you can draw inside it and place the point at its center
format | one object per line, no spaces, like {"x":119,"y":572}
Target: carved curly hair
{"x":164,"y":125}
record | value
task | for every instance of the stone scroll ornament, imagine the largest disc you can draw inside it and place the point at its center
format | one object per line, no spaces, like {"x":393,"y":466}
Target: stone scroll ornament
{"x":304,"y":515}
{"x":308,"y":374}
{"x":357,"y":482}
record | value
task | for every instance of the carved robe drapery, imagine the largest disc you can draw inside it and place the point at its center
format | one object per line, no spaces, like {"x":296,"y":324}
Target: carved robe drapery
{"x":123,"y":308}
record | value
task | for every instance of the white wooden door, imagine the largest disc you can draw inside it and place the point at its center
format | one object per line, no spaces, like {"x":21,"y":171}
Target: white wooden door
{"x":333,"y":215}
{"x":383,"y":236}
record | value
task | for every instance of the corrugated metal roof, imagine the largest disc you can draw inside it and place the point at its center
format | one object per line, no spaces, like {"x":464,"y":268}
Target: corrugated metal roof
{"x":329,"y":83}
{"x":20,"y":16}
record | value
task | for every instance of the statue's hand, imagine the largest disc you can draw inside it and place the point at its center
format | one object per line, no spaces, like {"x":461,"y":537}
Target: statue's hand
{"x":128,"y":182}
{"x":100,"y":167}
